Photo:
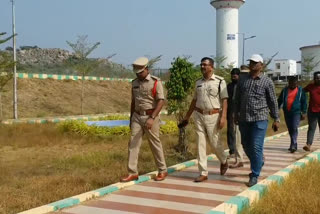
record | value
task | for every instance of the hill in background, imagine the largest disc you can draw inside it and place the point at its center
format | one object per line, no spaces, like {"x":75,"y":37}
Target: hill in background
{"x":48,"y":97}
{"x":32,"y":59}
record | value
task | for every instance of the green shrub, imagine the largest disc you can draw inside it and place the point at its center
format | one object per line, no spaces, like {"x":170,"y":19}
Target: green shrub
{"x":81,"y":128}
{"x":169,"y":128}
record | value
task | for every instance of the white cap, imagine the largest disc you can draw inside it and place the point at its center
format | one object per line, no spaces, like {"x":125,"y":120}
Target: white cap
{"x":141,"y":61}
{"x":256,"y":58}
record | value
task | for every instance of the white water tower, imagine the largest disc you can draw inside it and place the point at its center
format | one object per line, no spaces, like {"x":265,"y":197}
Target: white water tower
{"x":310,"y":56}
{"x":227,"y":29}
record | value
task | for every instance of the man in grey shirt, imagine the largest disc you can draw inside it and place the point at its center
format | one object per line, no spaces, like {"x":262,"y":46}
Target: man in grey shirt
{"x":255,"y":97}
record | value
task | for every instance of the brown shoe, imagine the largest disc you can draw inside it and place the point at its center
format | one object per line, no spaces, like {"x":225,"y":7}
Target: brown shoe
{"x":307,"y":148}
{"x":224,"y":168}
{"x":129,"y":178}
{"x":201,"y":178}
{"x":161,"y":176}
{"x":236,"y":165}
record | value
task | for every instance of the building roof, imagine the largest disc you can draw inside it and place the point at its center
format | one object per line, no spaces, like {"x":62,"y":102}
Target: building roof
{"x":310,"y":46}
{"x":284,"y":60}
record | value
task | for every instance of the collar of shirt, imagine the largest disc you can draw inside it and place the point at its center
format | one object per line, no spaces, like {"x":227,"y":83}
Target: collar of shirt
{"x":257,"y":77}
{"x":211,"y":78}
{"x":148,"y":77}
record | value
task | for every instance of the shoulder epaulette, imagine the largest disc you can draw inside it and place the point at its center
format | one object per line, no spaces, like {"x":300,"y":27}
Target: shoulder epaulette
{"x":219,"y":78}
{"x":134,"y":79}
{"x":154,"y":77}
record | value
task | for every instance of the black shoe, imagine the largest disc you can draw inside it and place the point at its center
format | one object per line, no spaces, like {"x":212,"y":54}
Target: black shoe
{"x":253,"y":181}
{"x":293,"y":150}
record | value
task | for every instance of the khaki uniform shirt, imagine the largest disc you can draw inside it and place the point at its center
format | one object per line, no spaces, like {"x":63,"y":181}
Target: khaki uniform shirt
{"x":142,"y":93}
{"x":207,"y":92}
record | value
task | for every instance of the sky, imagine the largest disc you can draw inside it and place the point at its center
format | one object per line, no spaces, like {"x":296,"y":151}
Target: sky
{"x":134,"y":28}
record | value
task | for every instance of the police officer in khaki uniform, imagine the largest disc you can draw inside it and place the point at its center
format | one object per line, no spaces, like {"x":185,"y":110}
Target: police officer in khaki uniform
{"x":146,"y":104}
{"x":210,"y":106}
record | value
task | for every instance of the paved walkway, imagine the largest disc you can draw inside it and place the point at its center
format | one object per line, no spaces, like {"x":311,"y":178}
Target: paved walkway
{"x":179,"y":194}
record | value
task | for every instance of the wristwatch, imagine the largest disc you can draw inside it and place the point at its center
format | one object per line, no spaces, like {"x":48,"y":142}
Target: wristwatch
{"x":153,"y":117}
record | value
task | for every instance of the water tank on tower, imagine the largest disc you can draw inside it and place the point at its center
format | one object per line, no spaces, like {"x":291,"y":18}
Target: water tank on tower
{"x":227,"y":29}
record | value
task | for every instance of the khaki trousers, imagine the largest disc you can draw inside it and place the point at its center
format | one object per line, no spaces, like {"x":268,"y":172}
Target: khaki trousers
{"x":207,"y":128}
{"x":239,"y":149}
{"x":138,"y":129}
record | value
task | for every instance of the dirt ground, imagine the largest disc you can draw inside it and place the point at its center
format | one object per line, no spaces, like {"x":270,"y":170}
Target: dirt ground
{"x":41,"y":98}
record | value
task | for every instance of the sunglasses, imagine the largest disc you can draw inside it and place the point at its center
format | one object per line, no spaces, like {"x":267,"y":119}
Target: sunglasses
{"x":204,"y":64}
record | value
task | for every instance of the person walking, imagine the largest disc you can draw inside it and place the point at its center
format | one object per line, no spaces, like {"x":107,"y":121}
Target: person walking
{"x":230,"y":112}
{"x":210,"y":106}
{"x":146,"y":104}
{"x":233,"y":133}
{"x":314,"y":108}
{"x":255,"y":97}
{"x":294,"y":104}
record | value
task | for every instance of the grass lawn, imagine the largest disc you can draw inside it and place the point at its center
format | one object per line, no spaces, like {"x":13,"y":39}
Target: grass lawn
{"x":39,"y":164}
{"x":300,"y":193}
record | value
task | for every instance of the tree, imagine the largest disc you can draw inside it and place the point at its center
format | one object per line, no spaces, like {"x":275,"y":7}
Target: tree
{"x":309,"y":64}
{"x":221,"y":70}
{"x":6,"y":64}
{"x":180,"y":86}
{"x":267,"y":62}
{"x":80,"y":61}
{"x":154,"y":61}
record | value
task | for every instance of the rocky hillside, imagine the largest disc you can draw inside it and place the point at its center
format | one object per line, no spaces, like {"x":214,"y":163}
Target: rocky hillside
{"x":32,"y":59}
{"x":42,"y":56}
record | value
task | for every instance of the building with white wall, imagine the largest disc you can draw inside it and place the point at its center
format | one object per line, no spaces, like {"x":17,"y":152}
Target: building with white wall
{"x":284,"y":68}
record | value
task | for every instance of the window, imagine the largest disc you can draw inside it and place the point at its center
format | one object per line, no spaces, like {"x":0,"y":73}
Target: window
{"x":277,"y":65}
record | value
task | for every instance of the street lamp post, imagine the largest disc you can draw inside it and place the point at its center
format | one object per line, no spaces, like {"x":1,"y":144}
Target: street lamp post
{"x":15,"y":106}
{"x":243,"y":44}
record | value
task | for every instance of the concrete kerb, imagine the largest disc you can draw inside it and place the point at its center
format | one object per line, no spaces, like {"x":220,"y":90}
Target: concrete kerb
{"x":68,"y":77}
{"x":60,"y":119}
{"x":233,"y":205}
{"x":74,"y":200}
{"x":244,"y":199}
{"x":282,"y":134}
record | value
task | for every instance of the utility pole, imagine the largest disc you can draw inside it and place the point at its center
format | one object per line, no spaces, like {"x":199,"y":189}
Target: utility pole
{"x":15,"y":103}
{"x":243,"y":44}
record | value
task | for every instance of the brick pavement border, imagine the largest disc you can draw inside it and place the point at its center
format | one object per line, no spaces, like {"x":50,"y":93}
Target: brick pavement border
{"x":63,"y":118}
{"x":74,"y":200}
{"x":233,"y":206}
{"x":245,"y":199}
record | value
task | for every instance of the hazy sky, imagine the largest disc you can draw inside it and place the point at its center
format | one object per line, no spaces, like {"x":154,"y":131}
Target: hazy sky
{"x":133,"y":28}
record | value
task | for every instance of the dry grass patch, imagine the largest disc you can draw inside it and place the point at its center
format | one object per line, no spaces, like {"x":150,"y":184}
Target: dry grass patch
{"x":48,"y":97}
{"x":300,"y":193}
{"x":39,"y":164}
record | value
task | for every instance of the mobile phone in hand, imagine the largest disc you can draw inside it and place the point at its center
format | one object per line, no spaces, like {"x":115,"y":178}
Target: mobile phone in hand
{"x":275,"y":128}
